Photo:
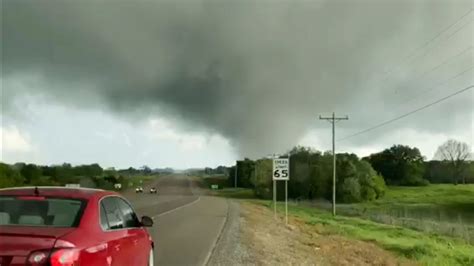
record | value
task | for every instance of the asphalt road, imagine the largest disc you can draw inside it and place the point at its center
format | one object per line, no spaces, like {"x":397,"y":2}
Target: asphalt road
{"x":187,"y":223}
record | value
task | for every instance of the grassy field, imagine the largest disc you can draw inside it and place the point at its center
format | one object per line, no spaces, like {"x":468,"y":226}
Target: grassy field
{"x":427,"y":249}
{"x":236,"y":193}
{"x":459,"y":196}
{"x":139,"y":180}
{"x":219,"y":180}
{"x":444,"y":209}
{"x":420,"y":238}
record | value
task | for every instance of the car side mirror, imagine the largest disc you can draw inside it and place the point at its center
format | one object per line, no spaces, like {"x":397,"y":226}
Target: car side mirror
{"x":147,"y":221}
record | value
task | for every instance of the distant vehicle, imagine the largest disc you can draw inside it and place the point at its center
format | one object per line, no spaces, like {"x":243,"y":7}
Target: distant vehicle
{"x":139,"y":190}
{"x":153,"y":190}
{"x":118,"y":186}
{"x":71,"y":226}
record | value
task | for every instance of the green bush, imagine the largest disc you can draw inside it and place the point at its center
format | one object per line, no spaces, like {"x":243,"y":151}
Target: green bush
{"x":358,"y":181}
{"x":9,"y":177}
{"x":351,"y":190}
{"x":399,"y":165}
{"x":415,"y":181}
{"x":262,"y":179}
{"x":311,"y":177}
{"x":379,"y":186}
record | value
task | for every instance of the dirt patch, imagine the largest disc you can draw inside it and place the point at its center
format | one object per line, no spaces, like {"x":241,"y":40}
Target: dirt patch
{"x":274,"y":243}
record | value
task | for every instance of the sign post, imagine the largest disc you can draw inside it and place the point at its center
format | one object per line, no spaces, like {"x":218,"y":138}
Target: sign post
{"x":274,"y":199}
{"x":286,"y":202}
{"x":281,"y":171}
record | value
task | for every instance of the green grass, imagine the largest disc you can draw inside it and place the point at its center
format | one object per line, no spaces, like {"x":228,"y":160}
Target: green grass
{"x":428,"y":249}
{"x":428,"y":239}
{"x":442,"y":208}
{"x":236,"y":193}
{"x":439,"y":194}
{"x":138,"y":181}
{"x":219,"y":180}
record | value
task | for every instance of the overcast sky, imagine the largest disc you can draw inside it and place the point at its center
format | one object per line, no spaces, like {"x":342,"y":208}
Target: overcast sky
{"x":203,"y":83}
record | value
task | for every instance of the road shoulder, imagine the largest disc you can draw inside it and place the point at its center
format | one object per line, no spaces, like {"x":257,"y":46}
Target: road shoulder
{"x":229,"y":249}
{"x":274,"y":243}
{"x":251,"y":236}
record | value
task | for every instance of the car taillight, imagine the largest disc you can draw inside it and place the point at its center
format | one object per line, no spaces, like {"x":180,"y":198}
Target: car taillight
{"x":58,"y":257}
{"x":65,"y":257}
{"x":38,"y":258}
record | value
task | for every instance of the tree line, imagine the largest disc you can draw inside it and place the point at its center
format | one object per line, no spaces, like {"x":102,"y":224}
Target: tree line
{"x":91,"y":175}
{"x":358,"y":179}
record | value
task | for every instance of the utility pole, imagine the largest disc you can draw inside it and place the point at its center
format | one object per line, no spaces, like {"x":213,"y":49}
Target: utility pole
{"x":333,"y":119}
{"x":274,"y":193}
{"x":235,"y":174}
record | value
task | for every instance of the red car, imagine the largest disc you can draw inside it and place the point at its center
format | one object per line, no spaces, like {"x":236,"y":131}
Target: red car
{"x":71,"y":226}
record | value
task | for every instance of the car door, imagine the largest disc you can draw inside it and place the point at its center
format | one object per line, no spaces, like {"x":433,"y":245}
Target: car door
{"x":136,"y":234}
{"x":118,"y":247}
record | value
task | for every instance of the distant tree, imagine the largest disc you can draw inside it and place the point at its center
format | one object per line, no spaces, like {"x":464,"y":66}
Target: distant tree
{"x":129,"y":171}
{"x":302,"y":164}
{"x":357,"y":180}
{"x":222,"y":170}
{"x":18,"y":166}
{"x":88,"y":170}
{"x":468,"y":174}
{"x":400,"y":165}
{"x":9,"y":176}
{"x":311,"y":177}
{"x":31,"y":173}
{"x":231,"y":177}
{"x":65,"y":174}
{"x":145,"y":169}
{"x":208,"y":171}
{"x":49,"y":171}
{"x":262,"y":178}
{"x":456,"y":153}
{"x":372,"y":185}
{"x":350,"y":190}
{"x":109,"y":172}
{"x":438,"y":172}
{"x":245,"y":171}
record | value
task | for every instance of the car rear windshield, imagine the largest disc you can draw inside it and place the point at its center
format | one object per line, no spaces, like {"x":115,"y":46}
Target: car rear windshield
{"x":40,"y":211}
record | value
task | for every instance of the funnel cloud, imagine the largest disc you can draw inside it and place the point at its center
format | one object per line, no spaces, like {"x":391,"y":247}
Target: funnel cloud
{"x":256,"y":72}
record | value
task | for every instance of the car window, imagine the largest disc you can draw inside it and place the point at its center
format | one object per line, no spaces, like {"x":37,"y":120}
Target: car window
{"x":129,"y":216}
{"x":43,"y":211}
{"x":103,"y":218}
{"x":112,"y":213}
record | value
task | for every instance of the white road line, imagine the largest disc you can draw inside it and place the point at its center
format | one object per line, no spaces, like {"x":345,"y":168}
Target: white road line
{"x":177,"y":208}
{"x":211,"y":251}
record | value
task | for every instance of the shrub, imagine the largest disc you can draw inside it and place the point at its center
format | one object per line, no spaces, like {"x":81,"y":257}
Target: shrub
{"x":351,"y":190}
{"x":9,"y":177}
{"x":380,"y":186}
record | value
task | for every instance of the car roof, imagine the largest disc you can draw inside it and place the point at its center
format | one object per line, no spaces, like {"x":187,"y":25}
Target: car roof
{"x":63,"y":192}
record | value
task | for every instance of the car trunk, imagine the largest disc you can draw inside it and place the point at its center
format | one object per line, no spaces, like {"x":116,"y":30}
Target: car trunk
{"x":17,"y":242}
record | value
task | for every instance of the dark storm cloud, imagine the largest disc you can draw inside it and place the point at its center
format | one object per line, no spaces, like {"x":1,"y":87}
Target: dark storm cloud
{"x":258,"y":73}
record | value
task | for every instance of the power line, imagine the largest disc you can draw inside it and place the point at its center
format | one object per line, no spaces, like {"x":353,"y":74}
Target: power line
{"x":442,"y":32}
{"x":407,"y":114}
{"x":433,"y":88}
{"x":416,"y":50}
{"x":448,"y":28}
{"x":448,"y":37}
{"x":441,"y":64}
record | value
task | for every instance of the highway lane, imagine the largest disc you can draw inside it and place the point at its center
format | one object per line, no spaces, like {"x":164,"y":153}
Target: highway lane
{"x":187,"y":222}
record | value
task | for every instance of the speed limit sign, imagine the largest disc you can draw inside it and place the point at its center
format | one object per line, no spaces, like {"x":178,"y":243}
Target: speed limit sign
{"x":281,"y":169}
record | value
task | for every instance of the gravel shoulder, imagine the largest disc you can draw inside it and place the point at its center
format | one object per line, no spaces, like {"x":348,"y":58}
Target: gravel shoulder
{"x":251,"y":236}
{"x":229,"y":249}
